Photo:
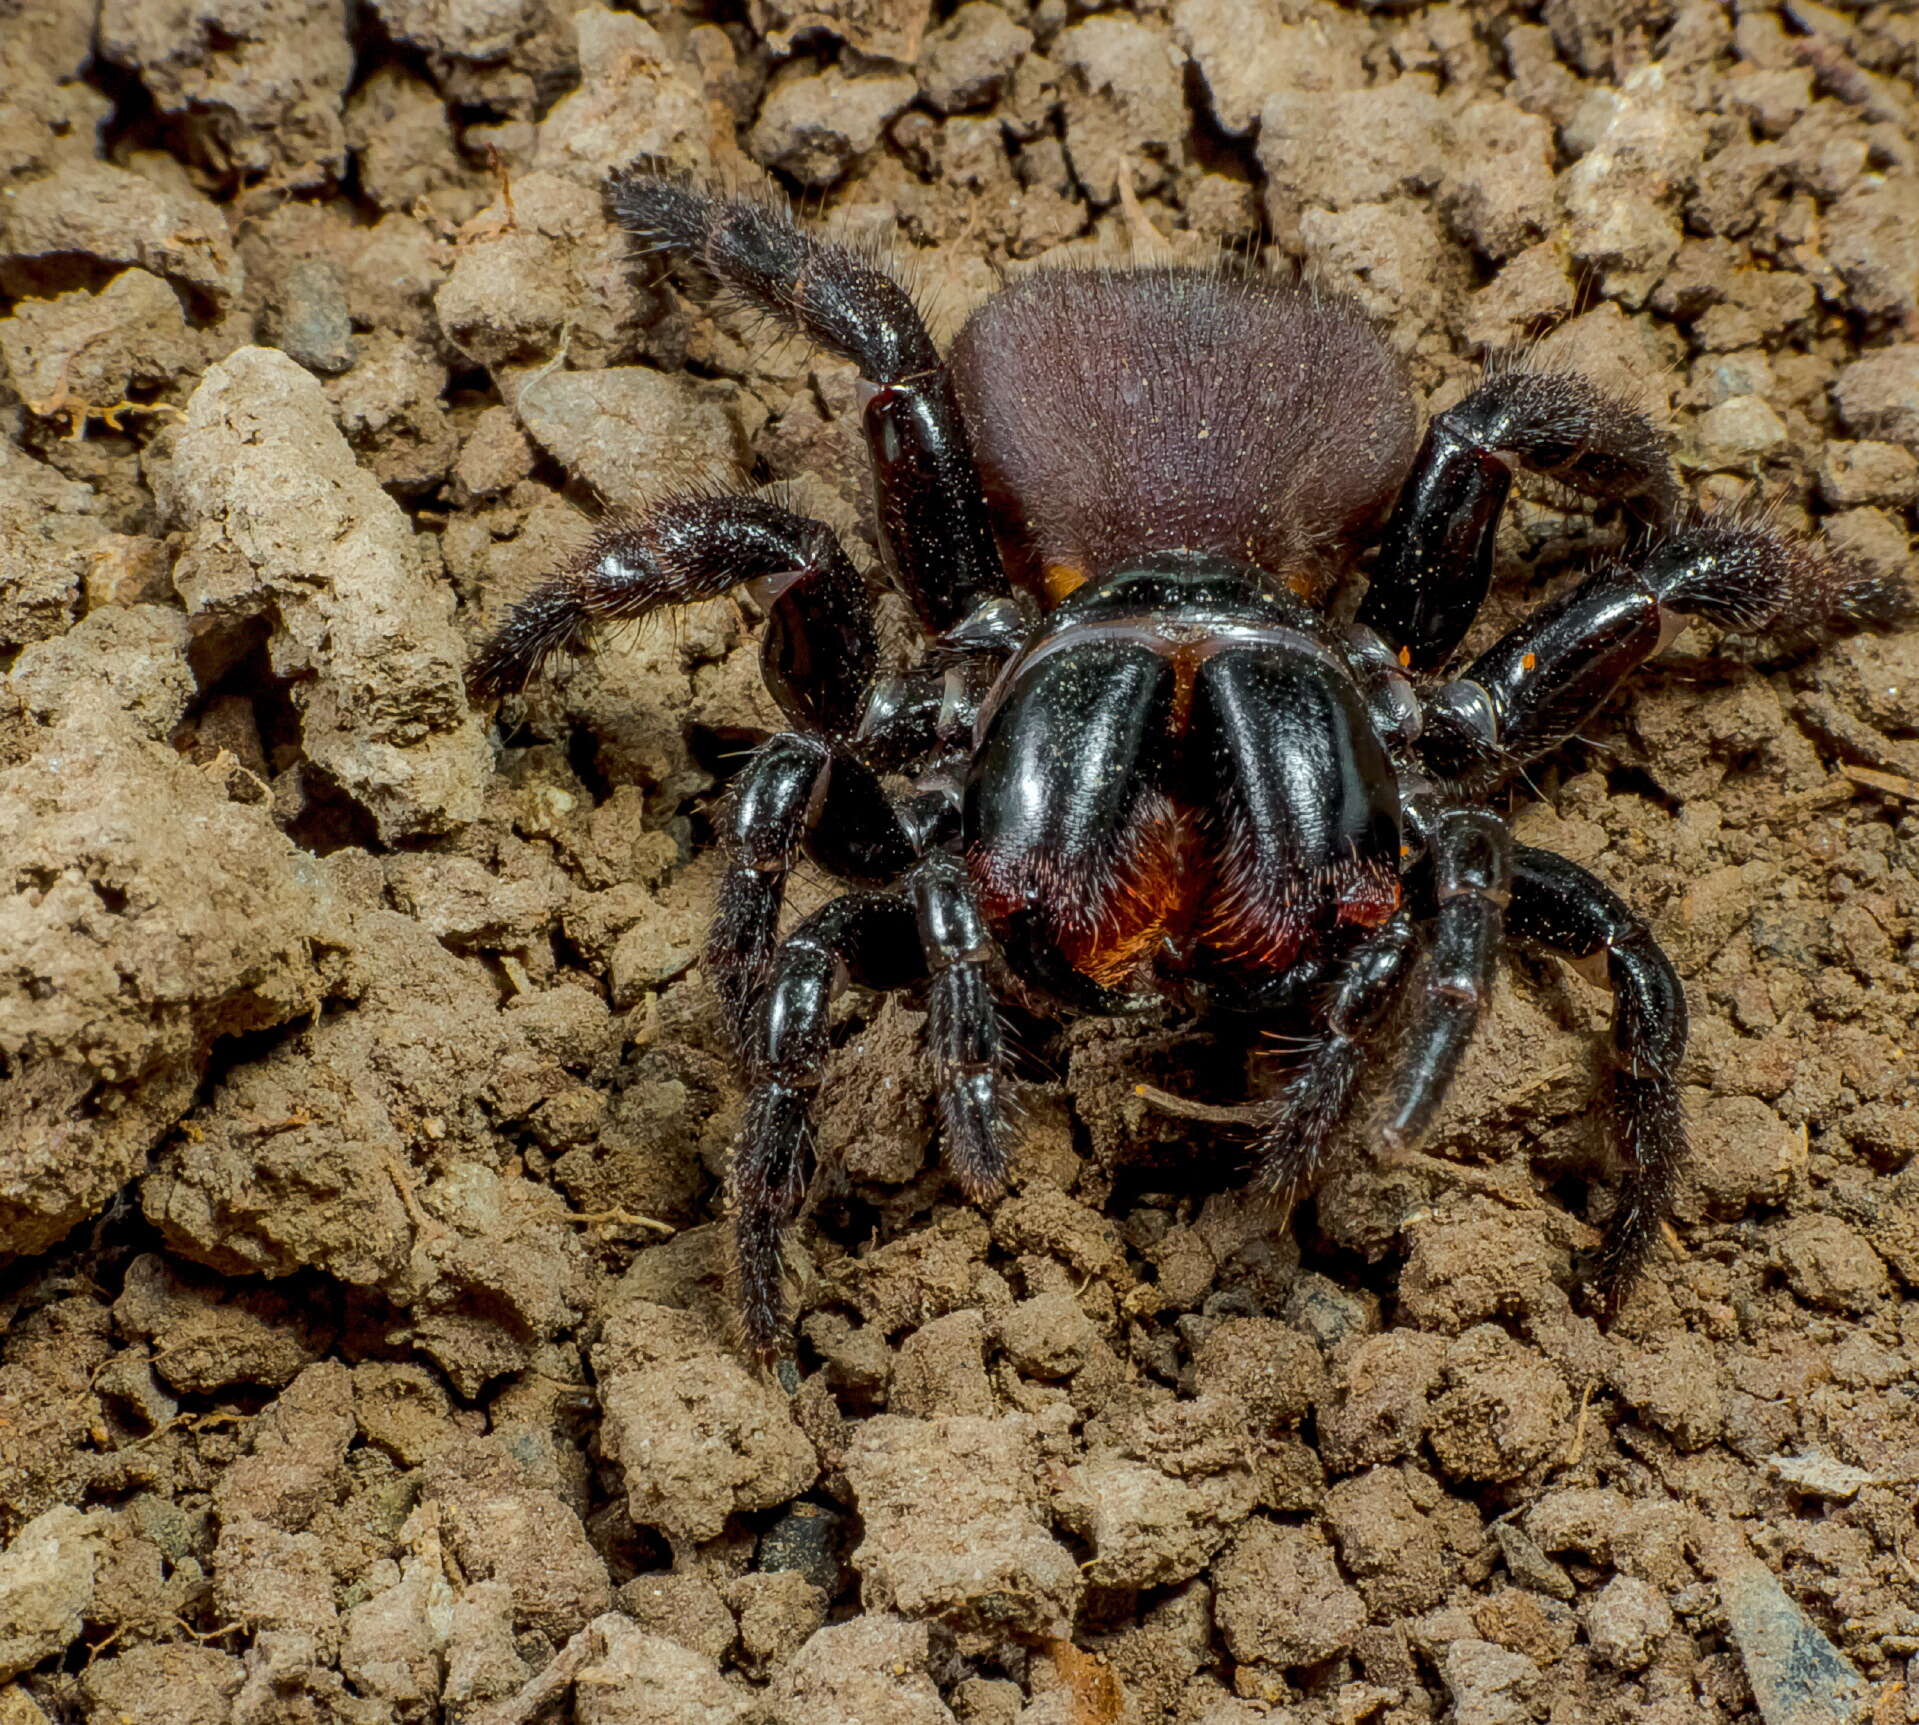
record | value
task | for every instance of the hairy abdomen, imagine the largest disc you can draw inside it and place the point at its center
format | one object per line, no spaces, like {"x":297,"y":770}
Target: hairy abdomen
{"x":1120,"y":412}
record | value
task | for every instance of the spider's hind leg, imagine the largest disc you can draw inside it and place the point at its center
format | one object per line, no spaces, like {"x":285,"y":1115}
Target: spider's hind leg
{"x":1436,"y":557}
{"x":1559,"y":906}
{"x":932,"y":517}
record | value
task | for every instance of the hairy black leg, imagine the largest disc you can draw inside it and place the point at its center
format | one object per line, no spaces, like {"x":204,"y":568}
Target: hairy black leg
{"x":963,"y":1030}
{"x":819,"y":650}
{"x":1471,"y":862}
{"x":866,"y":938}
{"x":932,"y":517}
{"x":1319,"y":1093}
{"x":1436,"y":558}
{"x":798,"y":790}
{"x":1542,"y":680}
{"x":1561,"y":907}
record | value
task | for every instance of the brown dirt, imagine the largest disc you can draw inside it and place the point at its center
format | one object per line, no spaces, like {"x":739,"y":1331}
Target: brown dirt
{"x":361,"y":1104}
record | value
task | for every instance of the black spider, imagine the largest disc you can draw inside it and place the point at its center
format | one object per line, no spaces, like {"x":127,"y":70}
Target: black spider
{"x":1140,"y":760}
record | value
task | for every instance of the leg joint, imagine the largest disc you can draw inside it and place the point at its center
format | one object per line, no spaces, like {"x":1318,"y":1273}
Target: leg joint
{"x":1472,"y":857}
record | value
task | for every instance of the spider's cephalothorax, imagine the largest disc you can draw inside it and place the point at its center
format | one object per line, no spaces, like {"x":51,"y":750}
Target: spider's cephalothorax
{"x":1138,"y":758}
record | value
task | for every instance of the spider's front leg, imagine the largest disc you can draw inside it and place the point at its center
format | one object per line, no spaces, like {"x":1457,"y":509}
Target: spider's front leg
{"x":1435,"y":562}
{"x":932,"y":516}
{"x":864,"y":938}
{"x":934,"y":934}
{"x":1557,"y":905}
{"x":1544,"y":678}
{"x":962,"y":1024}
{"x":820,"y":648}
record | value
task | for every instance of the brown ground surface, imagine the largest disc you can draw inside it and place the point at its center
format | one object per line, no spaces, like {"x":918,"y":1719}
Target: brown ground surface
{"x":366,"y":1351}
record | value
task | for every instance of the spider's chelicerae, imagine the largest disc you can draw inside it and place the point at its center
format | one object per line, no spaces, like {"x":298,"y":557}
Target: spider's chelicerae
{"x":1139,"y":758}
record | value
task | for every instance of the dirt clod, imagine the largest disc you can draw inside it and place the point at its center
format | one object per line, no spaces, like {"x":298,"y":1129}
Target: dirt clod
{"x":950,"y":1508}
{"x":695,"y":1434}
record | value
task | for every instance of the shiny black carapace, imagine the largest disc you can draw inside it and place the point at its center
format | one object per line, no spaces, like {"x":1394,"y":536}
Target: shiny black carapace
{"x":1138,"y":758}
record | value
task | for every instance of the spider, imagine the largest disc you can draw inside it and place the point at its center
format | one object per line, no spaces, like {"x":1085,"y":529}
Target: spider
{"x":1141,"y":759}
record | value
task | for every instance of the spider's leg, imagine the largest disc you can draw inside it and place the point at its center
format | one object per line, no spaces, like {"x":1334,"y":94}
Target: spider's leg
{"x":1471,"y":861}
{"x":820,"y":649}
{"x":924,"y":717}
{"x":962,"y":1029}
{"x":797,"y":790}
{"x":1542,"y":680}
{"x":1561,"y":907}
{"x":1319,"y":1094}
{"x":932,"y":516}
{"x":866,"y":938}
{"x":1436,"y":557}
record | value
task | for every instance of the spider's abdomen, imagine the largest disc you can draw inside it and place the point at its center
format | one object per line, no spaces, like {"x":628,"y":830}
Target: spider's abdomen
{"x":1117,"y":413}
{"x":1179,"y":790}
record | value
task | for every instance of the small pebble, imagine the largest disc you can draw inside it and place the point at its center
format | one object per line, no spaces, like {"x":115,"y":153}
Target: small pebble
{"x":1820,"y":1475}
{"x":1798,"y":1677}
{"x":1626,"y":1621}
{"x":1739,"y":432}
{"x":314,"y":325}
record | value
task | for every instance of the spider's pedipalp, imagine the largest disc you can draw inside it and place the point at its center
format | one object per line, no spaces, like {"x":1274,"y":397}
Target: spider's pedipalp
{"x":1471,"y":883}
{"x":1319,"y":1093}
